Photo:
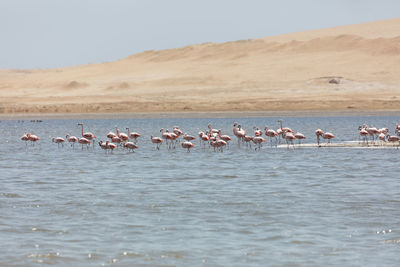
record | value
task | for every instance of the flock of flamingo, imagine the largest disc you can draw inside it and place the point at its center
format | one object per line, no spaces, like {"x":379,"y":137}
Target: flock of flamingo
{"x":214,"y":138}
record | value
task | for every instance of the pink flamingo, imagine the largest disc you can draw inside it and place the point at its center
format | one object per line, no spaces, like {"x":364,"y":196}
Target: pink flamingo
{"x":204,"y":138}
{"x":393,"y":139}
{"x":123,"y":136}
{"x":258,"y":140}
{"x":130,"y":146}
{"x":187,"y":145}
{"x":103,"y":145}
{"x":221,"y":144}
{"x":372,"y":131}
{"x":289,"y":137}
{"x":238,"y":132}
{"x":71,"y":139}
{"x":133,"y":135}
{"x":84,"y":141}
{"x":116,"y":140}
{"x":211,"y":130}
{"x":271,"y":134}
{"x":225,"y":137}
{"x":363,"y":133}
{"x":165,"y":135}
{"x":285,"y":129}
{"x":87,"y":135}
{"x":110,"y":146}
{"x":188,"y":137}
{"x":33,"y":138}
{"x":177,"y":131}
{"x":247,"y":139}
{"x":58,"y":141}
{"x":107,"y":146}
{"x":111,"y":135}
{"x":318,"y":133}
{"x":300,"y":136}
{"x":382,"y":138}
{"x":327,"y":136}
{"x":257,"y":131}
{"x":173,"y":138}
{"x":25,"y":138}
{"x":156,"y":140}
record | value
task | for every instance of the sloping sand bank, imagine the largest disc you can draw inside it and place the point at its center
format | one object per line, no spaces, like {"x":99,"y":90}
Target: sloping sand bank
{"x":351,"y":68}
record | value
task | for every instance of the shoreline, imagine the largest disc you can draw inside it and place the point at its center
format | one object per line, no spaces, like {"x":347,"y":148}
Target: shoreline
{"x":200,"y":114}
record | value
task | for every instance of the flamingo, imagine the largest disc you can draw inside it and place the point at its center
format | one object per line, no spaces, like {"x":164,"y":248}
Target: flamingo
{"x":218,"y":144}
{"x":393,"y":139}
{"x":123,"y":136}
{"x":173,"y":137}
{"x":116,"y":139}
{"x":84,"y":141}
{"x":372,"y":131}
{"x":130,"y":146}
{"x":279,"y":132}
{"x":271,"y":133}
{"x":289,"y":137}
{"x":363,"y":133}
{"x":87,"y":135}
{"x":25,"y":138}
{"x":187,"y":145}
{"x":110,"y":146}
{"x":110,"y":135}
{"x":318,"y":133}
{"x":165,"y":135}
{"x":225,"y":137}
{"x":33,"y":138}
{"x":247,"y":139}
{"x":300,"y":136}
{"x":258,"y":140}
{"x":107,"y":146}
{"x":205,"y":139}
{"x":257,"y":131}
{"x":156,"y":140}
{"x":211,"y":129}
{"x":58,"y":141}
{"x":326,"y":135}
{"x":103,"y":145}
{"x":241,"y":133}
{"x":71,"y":139}
{"x":382,"y":138}
{"x":285,"y":129}
{"x":133,"y":135}
{"x":238,"y":132}
{"x":221,"y":144}
{"x":177,"y":131}
{"x":188,"y":137}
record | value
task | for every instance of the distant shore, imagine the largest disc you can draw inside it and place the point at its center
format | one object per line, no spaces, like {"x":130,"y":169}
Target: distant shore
{"x":232,"y":114}
{"x":347,"y":70}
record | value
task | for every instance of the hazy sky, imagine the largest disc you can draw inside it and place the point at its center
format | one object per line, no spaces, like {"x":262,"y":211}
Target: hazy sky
{"x":56,"y":33}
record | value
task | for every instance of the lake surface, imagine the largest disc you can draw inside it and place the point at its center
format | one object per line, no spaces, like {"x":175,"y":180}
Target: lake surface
{"x":278,"y":206}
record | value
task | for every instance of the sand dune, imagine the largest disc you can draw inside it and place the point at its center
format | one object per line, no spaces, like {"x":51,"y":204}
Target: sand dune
{"x":353,"y":67}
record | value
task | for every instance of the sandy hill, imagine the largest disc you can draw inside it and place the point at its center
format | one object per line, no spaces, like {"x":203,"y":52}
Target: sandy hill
{"x":348,"y":67}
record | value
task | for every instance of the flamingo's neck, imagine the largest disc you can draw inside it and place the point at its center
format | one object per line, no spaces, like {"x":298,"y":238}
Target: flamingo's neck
{"x":82,"y":129}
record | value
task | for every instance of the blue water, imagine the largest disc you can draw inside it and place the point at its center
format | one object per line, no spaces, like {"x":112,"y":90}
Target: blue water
{"x":278,"y":206}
